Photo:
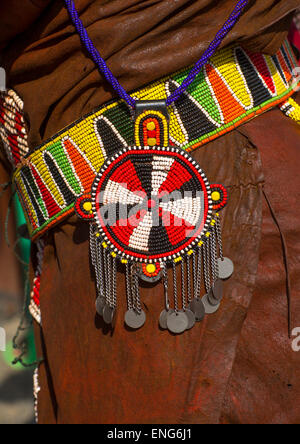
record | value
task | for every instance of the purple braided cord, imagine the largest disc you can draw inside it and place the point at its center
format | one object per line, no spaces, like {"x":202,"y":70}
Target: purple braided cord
{"x":103,"y":68}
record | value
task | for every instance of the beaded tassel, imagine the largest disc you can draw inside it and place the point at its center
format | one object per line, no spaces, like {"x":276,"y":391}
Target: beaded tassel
{"x":135,"y":316}
{"x":218,"y":234}
{"x":183,"y":285}
{"x":36,"y":390}
{"x":166,"y":288}
{"x":291,"y":109}
{"x":98,"y":261}
{"x":224,"y":265}
{"x":175,"y":289}
{"x":197,"y":273}
{"x":35,"y":311}
{"x":129,"y":287}
{"x":34,"y":307}
{"x":206,"y":266}
{"x":213,"y":257}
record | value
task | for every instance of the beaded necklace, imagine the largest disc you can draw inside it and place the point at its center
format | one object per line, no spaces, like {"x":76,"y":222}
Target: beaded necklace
{"x":104,"y":69}
{"x":151,"y":207}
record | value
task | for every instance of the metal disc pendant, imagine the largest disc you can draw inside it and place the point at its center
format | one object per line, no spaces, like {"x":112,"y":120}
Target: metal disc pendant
{"x":215,"y":294}
{"x":135,"y":320}
{"x":197,"y":307}
{"x":211,"y":299}
{"x":191,"y":318}
{"x":209,"y":308}
{"x":100,"y":304}
{"x":226,"y":268}
{"x":163,"y":318}
{"x":108,"y":314}
{"x":217,"y":290}
{"x":177,"y":322}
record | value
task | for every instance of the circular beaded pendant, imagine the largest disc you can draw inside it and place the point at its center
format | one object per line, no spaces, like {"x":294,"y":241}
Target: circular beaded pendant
{"x":151,"y":204}
{"x":149,"y":207}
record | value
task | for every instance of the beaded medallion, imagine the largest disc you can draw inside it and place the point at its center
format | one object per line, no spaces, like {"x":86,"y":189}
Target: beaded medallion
{"x":151,"y":204}
{"x":151,"y":207}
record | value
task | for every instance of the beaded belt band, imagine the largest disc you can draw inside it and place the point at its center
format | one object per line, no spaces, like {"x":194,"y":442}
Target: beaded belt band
{"x":234,"y":87}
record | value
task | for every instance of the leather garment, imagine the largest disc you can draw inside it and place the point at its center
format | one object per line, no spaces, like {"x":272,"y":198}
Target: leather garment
{"x":238,"y":365}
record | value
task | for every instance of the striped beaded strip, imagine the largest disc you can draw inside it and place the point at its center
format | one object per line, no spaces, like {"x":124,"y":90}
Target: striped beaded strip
{"x":234,"y":86}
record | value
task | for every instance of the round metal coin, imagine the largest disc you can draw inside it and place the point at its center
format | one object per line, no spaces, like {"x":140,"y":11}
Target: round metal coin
{"x":135,"y":320}
{"x":100,"y":304}
{"x":197,"y":307}
{"x":217,"y":290}
{"x":177,"y":322}
{"x":226,"y":268}
{"x":209,"y":308}
{"x":163,"y":318}
{"x":108,"y":314}
{"x":191,"y":318}
{"x":211,"y":299}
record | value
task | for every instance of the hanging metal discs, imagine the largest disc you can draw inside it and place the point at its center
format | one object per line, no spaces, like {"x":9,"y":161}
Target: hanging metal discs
{"x":134,"y":319}
{"x":197,"y":307}
{"x":177,"y":322}
{"x":163,"y":318}
{"x":100,"y":304}
{"x":209,"y":308}
{"x":109,"y":314}
{"x":217,"y":290}
{"x":226,"y":268}
{"x":191,"y":318}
